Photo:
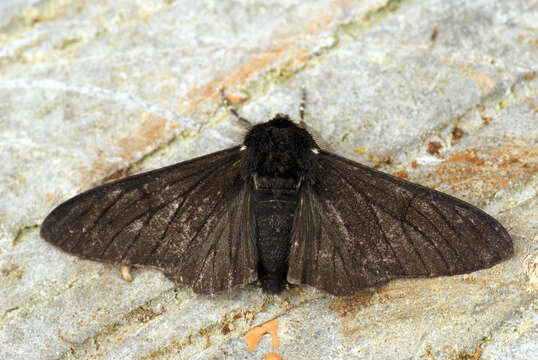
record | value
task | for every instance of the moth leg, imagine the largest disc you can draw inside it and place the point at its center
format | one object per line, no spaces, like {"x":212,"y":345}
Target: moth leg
{"x":302,"y":107}
{"x":125,"y":272}
{"x":233,"y":110}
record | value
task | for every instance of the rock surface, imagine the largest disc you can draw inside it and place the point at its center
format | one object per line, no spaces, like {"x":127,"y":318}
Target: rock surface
{"x":443,"y":93}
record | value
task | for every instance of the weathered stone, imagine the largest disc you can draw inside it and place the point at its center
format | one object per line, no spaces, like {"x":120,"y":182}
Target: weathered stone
{"x":94,"y":90}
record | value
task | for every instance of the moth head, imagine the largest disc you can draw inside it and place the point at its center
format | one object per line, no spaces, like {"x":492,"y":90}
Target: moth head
{"x":278,"y":148}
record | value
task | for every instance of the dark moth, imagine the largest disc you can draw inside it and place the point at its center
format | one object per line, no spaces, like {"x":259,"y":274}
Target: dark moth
{"x":277,"y":209}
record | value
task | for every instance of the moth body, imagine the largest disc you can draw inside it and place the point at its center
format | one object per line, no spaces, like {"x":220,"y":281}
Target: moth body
{"x":276,"y":164}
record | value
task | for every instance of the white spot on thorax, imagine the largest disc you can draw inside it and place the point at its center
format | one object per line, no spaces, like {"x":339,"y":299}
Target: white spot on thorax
{"x":242,"y":148}
{"x":315,"y":151}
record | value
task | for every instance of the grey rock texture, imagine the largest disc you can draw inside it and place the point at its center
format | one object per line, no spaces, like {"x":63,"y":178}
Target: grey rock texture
{"x":443,"y":93}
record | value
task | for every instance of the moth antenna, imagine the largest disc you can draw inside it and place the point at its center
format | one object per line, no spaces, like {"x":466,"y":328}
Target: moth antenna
{"x":233,"y":110}
{"x":302,"y":107}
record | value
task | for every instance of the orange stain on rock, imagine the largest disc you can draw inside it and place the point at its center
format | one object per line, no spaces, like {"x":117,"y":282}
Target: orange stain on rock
{"x":322,"y":18}
{"x":254,"y":335}
{"x":235,"y":99}
{"x":210,"y":91}
{"x":477,"y":354}
{"x":486,"y":83}
{"x":272,"y":357}
{"x":349,"y":306}
{"x":319,"y":20}
{"x":469,"y":279}
{"x":490,"y":168}
{"x":470,"y":156}
{"x":150,"y":129}
{"x":401,"y":174}
{"x":317,"y":24}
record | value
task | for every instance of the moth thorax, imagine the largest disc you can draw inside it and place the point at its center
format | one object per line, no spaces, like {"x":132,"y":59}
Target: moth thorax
{"x":279,"y":149}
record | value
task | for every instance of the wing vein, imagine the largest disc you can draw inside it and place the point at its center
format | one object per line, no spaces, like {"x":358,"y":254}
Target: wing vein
{"x":349,"y":277}
{"x":403,"y":220}
{"x":406,"y":233}
{"x":122,"y":194}
{"x":133,"y":202}
{"x":432,"y":243}
{"x":350,"y":185}
{"x":372,"y":213}
{"x":213,"y":245}
{"x":76,"y":222}
{"x":191,"y":240}
{"x":308,"y":254}
{"x":243,"y":225}
{"x":457,"y":232}
{"x":333,"y":263}
{"x":180,"y":206}
{"x":476,"y":233}
{"x":231,"y":254}
{"x":152,"y":213}
{"x":126,"y":225}
{"x":335,"y":234}
{"x":105,"y":210}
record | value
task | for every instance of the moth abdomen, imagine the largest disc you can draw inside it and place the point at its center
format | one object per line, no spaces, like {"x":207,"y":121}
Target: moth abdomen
{"x":274,"y":212}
